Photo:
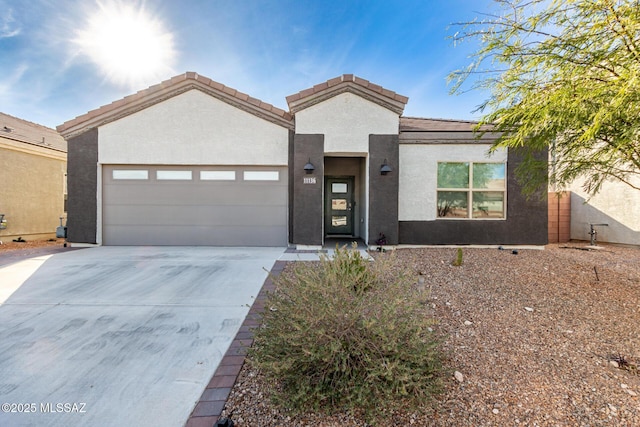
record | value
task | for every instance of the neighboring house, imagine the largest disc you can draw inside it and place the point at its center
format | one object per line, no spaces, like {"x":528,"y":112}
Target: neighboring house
{"x":33,"y":166}
{"x":616,"y":204}
{"x":193,"y":162}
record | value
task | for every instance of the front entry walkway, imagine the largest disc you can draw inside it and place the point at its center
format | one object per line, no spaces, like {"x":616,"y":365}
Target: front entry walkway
{"x":328,"y":248}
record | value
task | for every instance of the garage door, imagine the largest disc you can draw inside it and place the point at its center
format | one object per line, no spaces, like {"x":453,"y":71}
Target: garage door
{"x":215,"y":206}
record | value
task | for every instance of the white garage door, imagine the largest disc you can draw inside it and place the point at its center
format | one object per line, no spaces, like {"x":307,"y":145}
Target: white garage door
{"x":181,"y":205}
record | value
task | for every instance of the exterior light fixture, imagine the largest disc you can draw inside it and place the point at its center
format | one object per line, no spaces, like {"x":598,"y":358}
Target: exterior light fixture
{"x":385,"y":168}
{"x":309,"y":168}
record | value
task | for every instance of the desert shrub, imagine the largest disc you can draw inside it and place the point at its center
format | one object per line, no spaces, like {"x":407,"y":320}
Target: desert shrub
{"x":344,"y":334}
{"x":458,"y":261}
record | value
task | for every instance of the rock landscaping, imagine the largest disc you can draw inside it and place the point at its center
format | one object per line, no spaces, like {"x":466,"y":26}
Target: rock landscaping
{"x":534,"y":338}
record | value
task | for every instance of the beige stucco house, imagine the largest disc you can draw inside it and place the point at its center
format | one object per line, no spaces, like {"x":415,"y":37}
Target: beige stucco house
{"x":617,"y":205}
{"x":33,"y":166}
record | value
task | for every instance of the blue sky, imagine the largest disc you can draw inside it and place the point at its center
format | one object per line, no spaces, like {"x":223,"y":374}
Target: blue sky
{"x":268,"y":49}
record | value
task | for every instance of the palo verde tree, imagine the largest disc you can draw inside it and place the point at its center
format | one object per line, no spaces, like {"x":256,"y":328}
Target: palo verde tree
{"x":562,"y":75}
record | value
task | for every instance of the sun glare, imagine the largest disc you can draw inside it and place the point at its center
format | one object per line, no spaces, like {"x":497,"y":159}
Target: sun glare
{"x":130,"y":46}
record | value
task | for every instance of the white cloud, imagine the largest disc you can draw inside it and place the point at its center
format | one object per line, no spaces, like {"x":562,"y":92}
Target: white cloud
{"x":8,"y":25}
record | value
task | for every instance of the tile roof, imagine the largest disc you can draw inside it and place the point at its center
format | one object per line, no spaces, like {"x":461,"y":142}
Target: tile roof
{"x":31,"y":133}
{"x":166,"y":89}
{"x":443,"y":131}
{"x":410,"y":126}
{"x":347,"y":83}
{"x":426,"y":125}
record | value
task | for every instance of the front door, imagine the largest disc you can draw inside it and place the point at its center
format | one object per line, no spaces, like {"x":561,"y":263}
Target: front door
{"x":339,"y":206}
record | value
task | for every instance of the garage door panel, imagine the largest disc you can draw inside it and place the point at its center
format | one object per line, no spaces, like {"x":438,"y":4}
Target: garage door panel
{"x":194,"y":212}
{"x":211,"y":216}
{"x":153,"y":193}
{"x":173,"y":235}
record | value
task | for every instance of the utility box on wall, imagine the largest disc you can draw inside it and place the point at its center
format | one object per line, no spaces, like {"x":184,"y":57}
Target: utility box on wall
{"x":61,"y":230}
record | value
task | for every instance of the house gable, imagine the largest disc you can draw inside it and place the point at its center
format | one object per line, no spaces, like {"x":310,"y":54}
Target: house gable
{"x":193,"y":128}
{"x":346,"y":121}
{"x":346,"y":110}
{"x":347,"y":83}
{"x":168,"y":89}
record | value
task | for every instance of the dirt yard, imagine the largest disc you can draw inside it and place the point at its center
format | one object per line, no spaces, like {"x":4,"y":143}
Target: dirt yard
{"x":538,"y":338}
{"x":9,"y":245}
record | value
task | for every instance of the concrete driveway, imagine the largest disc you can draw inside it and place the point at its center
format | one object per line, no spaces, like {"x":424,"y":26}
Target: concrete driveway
{"x":120,"y":336}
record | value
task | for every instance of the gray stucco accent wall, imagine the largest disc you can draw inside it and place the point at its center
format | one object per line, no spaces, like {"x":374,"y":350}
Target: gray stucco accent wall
{"x":290,"y":189}
{"x":383,"y":189}
{"x":307,"y":212}
{"x":82,"y":179}
{"x":526,"y":221}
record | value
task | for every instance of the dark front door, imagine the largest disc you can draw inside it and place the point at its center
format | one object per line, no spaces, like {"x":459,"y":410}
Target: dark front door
{"x":339,"y":206}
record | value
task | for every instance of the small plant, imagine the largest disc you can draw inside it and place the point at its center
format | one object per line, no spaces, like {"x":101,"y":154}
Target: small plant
{"x":458,"y":261}
{"x":344,"y":334}
{"x":622,"y":362}
{"x":382,"y":240}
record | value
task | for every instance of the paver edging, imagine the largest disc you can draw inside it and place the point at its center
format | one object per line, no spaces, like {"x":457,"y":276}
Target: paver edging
{"x":212,"y":401}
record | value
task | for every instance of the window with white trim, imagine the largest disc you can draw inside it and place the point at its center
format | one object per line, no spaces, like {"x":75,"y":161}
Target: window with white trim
{"x":472,"y":190}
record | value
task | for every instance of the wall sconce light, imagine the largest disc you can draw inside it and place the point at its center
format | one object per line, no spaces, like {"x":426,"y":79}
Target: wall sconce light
{"x":309,"y":168}
{"x":385,"y":168}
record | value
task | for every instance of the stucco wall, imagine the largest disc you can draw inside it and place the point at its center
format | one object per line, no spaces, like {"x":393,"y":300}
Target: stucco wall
{"x":526,"y":220}
{"x":31,"y":193}
{"x":419,"y":174}
{"x":616,"y":204}
{"x":346,"y":121}
{"x":307,"y":198}
{"x":193,"y":128}
{"x":84,"y":187}
{"x":383,"y":189}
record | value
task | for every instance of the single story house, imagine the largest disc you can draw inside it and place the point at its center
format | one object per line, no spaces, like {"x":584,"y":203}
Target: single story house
{"x":193,"y":162}
{"x":33,"y":167}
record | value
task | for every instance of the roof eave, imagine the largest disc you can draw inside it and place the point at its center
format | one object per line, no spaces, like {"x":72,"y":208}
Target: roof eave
{"x":168,"y":89}
{"x":347,"y":83}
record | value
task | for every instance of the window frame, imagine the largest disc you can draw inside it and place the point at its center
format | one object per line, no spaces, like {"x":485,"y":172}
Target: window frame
{"x":470,"y":190}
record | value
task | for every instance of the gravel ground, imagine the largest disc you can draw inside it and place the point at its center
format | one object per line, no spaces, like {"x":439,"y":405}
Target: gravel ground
{"x":11,"y":252}
{"x":8,"y":245}
{"x":538,"y":338}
